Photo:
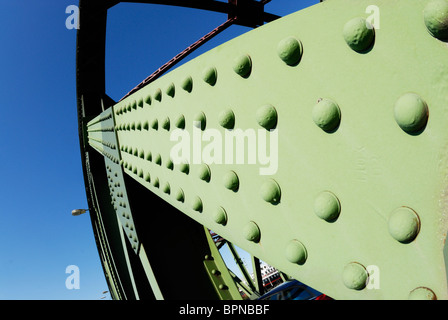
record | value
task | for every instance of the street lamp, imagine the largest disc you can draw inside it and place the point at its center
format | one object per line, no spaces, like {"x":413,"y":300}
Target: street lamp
{"x":78,"y":212}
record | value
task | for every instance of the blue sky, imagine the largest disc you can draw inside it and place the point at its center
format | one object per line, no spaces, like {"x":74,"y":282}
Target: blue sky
{"x":40,"y":173}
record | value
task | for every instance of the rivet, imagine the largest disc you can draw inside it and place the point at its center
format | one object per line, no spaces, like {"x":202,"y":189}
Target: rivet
{"x":411,"y":113}
{"x":243,"y":66}
{"x":148,"y":177}
{"x":222,"y":287}
{"x":231,"y":181}
{"x":140,"y":102}
{"x":422,"y":293}
{"x":169,"y":164}
{"x":155,"y":124}
{"x":404,"y":224}
{"x":184,"y":167}
{"x":204,"y":172}
{"x":180,"y":195}
{"x":166,"y":124}
{"x":167,"y":188}
{"x":149,"y":156}
{"x":180,"y":122}
{"x":156,"y":182}
{"x":196,"y":204}
{"x":296,"y":252}
{"x":290,"y":51}
{"x":187,"y":84}
{"x":170,"y":91}
{"x":210,"y":76}
{"x":436,"y":18}
{"x":251,"y":232}
{"x":267,"y":117}
{"x":200,"y":121}
{"x":359,"y":34}
{"x":220,"y":216}
{"x":139,"y":126}
{"x":227,"y":119}
{"x":158,"y":159}
{"x":270,"y":191}
{"x":158,"y":95}
{"x":327,"y":206}
{"x":326,"y":115}
{"x":146,"y":125}
{"x":355,"y":276}
{"x":148,"y":99}
{"x":134,"y":105}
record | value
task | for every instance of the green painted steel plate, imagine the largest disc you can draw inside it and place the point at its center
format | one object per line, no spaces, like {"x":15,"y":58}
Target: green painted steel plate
{"x":337,"y":119}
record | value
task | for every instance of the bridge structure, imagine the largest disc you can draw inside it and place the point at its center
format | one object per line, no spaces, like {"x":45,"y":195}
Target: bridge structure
{"x":337,"y":175}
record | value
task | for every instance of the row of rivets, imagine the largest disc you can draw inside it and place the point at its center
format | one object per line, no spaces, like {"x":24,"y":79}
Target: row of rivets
{"x":410,"y":112}
{"x":403,"y":223}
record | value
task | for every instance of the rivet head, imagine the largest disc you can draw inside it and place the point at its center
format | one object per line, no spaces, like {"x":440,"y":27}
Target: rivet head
{"x":290,"y":51}
{"x":359,"y":34}
{"x":220,"y":216}
{"x":155,"y":124}
{"x":243,"y":66}
{"x":204,"y":172}
{"x":411,"y":113}
{"x":200,"y":121}
{"x":422,"y":293}
{"x":251,"y":232}
{"x":180,"y":195}
{"x":156,"y":182}
{"x":196,"y":204}
{"x":436,"y":18}
{"x":158,"y":95}
{"x":158,"y":159}
{"x":187,"y":84}
{"x":180,"y":122}
{"x":296,"y":252}
{"x":166,"y":124}
{"x":404,"y":224}
{"x":355,"y":276}
{"x":184,"y":167}
{"x":270,"y":191}
{"x":231,"y":181}
{"x":267,"y":117}
{"x":210,"y":76}
{"x":148,"y":99}
{"x":227,"y":119}
{"x":170,"y":164}
{"x":170,"y":91}
{"x":167,"y":188}
{"x":327,"y":206}
{"x":326,"y":115}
